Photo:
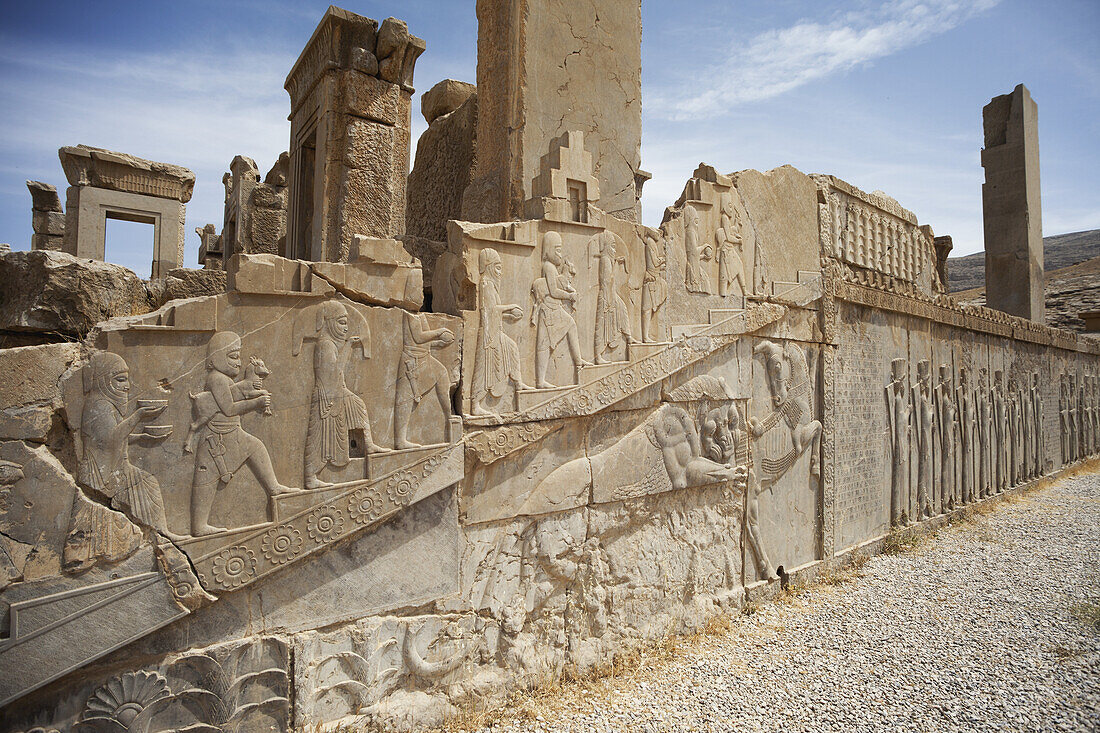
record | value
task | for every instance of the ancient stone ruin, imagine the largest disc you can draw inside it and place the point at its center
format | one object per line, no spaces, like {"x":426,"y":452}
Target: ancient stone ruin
{"x":408,"y":463}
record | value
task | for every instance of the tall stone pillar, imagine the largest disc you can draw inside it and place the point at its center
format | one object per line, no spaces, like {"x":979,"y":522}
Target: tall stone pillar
{"x":547,"y":67}
{"x":1011,"y":204}
{"x":350,"y":119}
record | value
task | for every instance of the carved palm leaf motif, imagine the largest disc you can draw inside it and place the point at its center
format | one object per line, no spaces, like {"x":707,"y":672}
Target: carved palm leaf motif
{"x":116,"y":705}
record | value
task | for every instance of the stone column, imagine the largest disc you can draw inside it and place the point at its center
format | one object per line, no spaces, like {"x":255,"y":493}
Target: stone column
{"x":544,"y":68}
{"x":351,"y":114}
{"x":1011,"y":204}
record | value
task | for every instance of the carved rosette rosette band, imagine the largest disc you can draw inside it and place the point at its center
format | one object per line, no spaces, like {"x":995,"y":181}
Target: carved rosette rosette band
{"x":353,"y":508}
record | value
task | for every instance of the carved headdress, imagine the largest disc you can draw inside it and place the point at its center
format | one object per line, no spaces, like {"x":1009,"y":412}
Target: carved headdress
{"x":99,"y":375}
{"x":322,"y":318}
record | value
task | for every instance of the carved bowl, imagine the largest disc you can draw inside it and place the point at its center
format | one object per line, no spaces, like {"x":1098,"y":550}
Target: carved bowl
{"x":157,"y":431}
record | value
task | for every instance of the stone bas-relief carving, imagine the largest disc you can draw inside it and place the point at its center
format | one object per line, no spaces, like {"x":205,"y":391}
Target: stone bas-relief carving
{"x":107,"y":426}
{"x":651,"y":423}
{"x":220,"y":445}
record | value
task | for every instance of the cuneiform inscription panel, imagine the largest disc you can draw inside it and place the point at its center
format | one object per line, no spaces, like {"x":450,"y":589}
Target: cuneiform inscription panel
{"x":860,"y":427}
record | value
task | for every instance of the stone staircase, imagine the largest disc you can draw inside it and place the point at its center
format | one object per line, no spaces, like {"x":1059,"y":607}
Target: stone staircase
{"x":305,"y":523}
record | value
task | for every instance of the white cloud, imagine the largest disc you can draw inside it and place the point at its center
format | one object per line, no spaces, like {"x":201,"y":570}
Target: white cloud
{"x":779,"y":60}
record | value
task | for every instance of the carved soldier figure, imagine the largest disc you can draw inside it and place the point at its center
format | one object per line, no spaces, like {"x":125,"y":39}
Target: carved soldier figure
{"x":496,"y":356}
{"x":654,"y":287}
{"x":1063,"y":417}
{"x":1000,"y":431}
{"x":1026,"y":452}
{"x":726,"y":440}
{"x":948,"y":431}
{"x":334,"y":411}
{"x":898,"y":414}
{"x":1037,"y":432}
{"x":106,"y":428}
{"x":924,"y":426}
{"x":985,"y":482}
{"x":1015,"y":422}
{"x":695,"y":277}
{"x":612,"y":319}
{"x":729,"y":241}
{"x":553,"y":322}
{"x":968,"y":418}
{"x":418,"y":374}
{"x":220,"y":444}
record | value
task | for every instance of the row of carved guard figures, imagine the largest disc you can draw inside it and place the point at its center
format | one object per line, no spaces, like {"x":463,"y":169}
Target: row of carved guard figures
{"x":953,"y":445}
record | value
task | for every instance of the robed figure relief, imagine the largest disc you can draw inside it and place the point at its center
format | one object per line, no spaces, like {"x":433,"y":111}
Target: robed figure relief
{"x":496,"y":356}
{"x":729,"y":241}
{"x":947,"y":423}
{"x":654,"y":287}
{"x":612,"y":317}
{"x":107,"y":425}
{"x":335,"y":412}
{"x":899,"y":411}
{"x":552,"y":316}
{"x":695,"y":277}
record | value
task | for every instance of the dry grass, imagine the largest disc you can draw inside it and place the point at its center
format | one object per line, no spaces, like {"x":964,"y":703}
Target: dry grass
{"x":1088,"y":613}
{"x":577,"y":691}
{"x":901,"y":541}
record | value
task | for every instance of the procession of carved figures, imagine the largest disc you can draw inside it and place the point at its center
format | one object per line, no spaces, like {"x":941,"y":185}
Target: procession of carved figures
{"x":234,"y":385}
{"x":1079,"y":415}
{"x":957,"y":439}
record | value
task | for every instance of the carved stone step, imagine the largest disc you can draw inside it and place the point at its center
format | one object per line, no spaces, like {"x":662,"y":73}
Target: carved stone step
{"x":528,"y":398}
{"x":599,"y":371}
{"x":809,"y":276}
{"x":380,"y":464}
{"x":687,"y":330}
{"x":196,"y":547}
{"x":288,"y":505}
{"x":717,"y":315}
{"x":635,"y":352}
{"x":780,"y":288}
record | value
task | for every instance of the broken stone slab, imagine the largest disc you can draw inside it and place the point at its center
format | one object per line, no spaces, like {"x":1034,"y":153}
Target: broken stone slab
{"x":29,"y":388}
{"x":88,"y":166}
{"x":381,"y":272}
{"x":44,"y":196}
{"x":271,"y":274}
{"x":444,"y":98}
{"x":56,"y":292}
{"x":184,"y":282}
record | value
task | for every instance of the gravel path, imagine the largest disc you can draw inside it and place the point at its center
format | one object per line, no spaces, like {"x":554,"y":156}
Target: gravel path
{"x":974,"y":630}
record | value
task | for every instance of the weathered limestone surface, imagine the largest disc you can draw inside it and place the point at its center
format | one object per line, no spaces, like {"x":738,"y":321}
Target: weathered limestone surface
{"x":1012,"y":206}
{"x":445,"y":157}
{"x":105,"y":185}
{"x":318,"y":500}
{"x":29,"y":393}
{"x":47,"y":217}
{"x":351,"y":111}
{"x":56,"y":292}
{"x":444,"y":98}
{"x":546,"y":67}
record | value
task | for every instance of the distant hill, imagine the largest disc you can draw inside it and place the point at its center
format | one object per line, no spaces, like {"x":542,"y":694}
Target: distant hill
{"x":1069,"y":291}
{"x":1062,"y":250}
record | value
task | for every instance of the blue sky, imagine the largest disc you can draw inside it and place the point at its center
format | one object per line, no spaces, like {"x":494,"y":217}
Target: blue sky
{"x":886,"y":95}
